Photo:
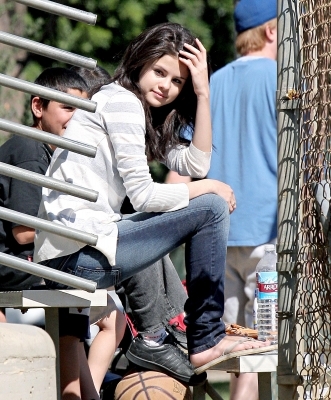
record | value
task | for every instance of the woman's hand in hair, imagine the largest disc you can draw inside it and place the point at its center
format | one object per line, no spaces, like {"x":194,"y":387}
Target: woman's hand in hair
{"x":196,"y":61}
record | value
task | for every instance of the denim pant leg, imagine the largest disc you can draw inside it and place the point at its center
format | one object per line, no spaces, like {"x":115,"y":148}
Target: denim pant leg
{"x":203,"y":225}
{"x":152,"y":306}
{"x":144,"y":238}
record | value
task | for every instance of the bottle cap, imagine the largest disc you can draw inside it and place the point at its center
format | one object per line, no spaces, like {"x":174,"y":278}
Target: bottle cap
{"x":269,"y":247}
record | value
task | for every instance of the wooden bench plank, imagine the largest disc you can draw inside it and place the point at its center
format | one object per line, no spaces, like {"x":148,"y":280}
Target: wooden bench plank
{"x":263,"y":362}
{"x":51,"y":301}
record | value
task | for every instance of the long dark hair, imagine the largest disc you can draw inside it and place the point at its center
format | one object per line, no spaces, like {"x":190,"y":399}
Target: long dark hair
{"x":163,"y":124}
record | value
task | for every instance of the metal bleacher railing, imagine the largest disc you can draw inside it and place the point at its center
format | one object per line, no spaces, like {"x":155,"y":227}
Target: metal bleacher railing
{"x":18,"y":129}
{"x":51,"y":301}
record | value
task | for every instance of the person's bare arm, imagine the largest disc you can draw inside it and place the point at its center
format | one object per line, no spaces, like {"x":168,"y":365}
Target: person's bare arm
{"x":174,"y":177}
{"x":2,"y":316}
{"x":196,"y":61}
{"x":23,"y":234}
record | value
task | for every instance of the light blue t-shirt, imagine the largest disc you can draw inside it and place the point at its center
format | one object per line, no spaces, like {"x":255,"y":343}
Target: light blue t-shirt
{"x":243,"y":108}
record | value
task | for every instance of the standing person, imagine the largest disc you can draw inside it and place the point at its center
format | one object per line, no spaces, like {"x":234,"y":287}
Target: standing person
{"x":17,"y":240}
{"x":160,"y":86}
{"x":243,"y":109}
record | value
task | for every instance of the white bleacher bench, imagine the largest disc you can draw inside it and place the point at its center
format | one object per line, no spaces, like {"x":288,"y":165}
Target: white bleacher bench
{"x":51,"y":301}
{"x":265,"y":364}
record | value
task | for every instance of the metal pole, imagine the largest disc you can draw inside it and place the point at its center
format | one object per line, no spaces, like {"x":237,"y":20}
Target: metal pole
{"x":49,"y":138}
{"x":46,"y":137}
{"x":47,"y":273}
{"x":52,"y":227}
{"x":288,"y":167}
{"x":47,"y":51}
{"x":50,"y":183}
{"x":51,"y":94}
{"x":60,"y":9}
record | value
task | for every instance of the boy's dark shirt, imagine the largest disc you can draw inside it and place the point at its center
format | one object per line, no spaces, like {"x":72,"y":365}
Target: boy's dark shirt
{"x":23,"y":197}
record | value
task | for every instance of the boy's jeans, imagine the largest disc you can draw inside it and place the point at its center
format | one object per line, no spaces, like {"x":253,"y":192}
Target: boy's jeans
{"x":152,"y":306}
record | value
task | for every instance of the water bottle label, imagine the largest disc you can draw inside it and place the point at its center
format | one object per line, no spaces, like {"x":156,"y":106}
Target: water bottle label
{"x":267,"y":283}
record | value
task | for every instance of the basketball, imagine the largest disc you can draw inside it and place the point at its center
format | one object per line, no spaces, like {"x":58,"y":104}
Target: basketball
{"x":151,"y":385}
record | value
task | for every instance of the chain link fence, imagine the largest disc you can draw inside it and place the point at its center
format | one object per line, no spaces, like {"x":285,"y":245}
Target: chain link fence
{"x":312,"y":293}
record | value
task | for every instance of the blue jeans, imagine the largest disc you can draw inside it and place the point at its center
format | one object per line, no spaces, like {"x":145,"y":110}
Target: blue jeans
{"x":144,"y":238}
{"x":151,"y":307}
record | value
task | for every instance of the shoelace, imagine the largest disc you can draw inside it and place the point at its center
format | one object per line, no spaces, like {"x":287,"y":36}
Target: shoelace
{"x":182,"y":355}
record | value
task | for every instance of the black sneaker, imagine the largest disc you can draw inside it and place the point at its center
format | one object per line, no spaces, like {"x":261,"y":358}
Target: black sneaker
{"x":178,"y":335}
{"x":166,"y":358}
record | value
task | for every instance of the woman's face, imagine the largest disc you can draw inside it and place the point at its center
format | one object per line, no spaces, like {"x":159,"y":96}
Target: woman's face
{"x":163,"y":80}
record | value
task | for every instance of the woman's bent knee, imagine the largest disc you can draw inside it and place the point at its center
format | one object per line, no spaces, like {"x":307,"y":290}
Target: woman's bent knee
{"x":216,"y":204}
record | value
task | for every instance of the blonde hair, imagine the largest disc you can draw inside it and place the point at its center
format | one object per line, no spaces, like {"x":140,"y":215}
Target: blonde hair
{"x":253,"y":39}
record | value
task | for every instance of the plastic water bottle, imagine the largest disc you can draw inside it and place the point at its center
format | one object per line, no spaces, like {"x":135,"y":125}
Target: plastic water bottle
{"x":267,"y":295}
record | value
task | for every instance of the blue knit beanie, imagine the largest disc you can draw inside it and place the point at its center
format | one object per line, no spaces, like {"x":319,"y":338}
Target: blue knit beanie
{"x":251,"y":13}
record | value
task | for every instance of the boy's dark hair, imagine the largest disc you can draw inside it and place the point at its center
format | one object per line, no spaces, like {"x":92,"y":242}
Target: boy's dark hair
{"x":59,"y":79}
{"x":94,"y":78}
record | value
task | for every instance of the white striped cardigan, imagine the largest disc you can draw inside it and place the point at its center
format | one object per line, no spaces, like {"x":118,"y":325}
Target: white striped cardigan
{"x":120,"y":167}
